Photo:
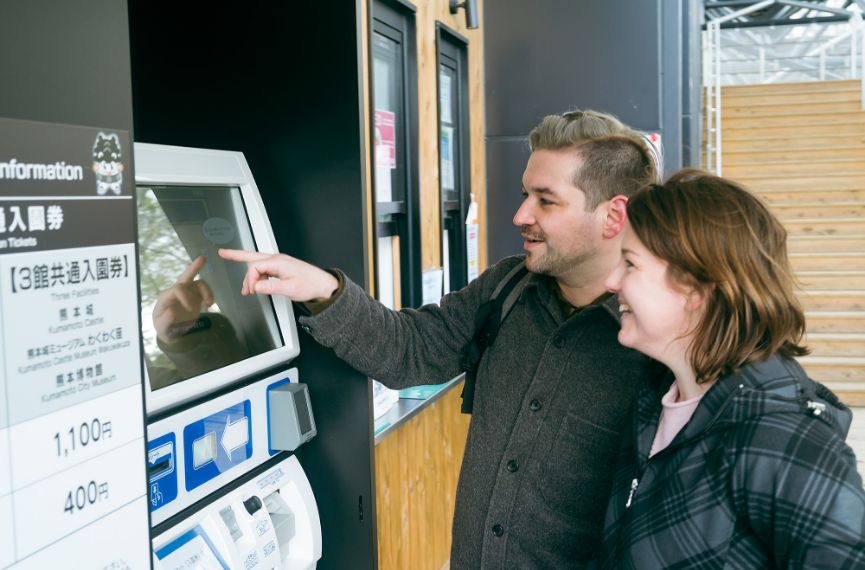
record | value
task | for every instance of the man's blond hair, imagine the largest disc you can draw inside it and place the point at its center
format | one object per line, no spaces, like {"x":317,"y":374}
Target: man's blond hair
{"x":609,"y":161}
{"x":560,"y":131}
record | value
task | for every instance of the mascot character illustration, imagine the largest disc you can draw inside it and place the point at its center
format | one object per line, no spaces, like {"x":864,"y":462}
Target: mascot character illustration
{"x":106,"y":164}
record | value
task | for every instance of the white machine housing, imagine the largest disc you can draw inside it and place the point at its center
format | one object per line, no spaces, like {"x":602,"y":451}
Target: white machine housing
{"x":181,"y":166}
{"x":223,"y":492}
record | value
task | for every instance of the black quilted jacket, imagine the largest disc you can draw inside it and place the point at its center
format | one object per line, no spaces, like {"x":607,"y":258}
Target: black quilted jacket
{"x":759,"y":478}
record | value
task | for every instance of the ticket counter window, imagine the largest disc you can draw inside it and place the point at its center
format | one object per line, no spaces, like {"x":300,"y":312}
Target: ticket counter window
{"x":194,"y":319}
{"x":397,"y":243}
{"x":453,"y":156}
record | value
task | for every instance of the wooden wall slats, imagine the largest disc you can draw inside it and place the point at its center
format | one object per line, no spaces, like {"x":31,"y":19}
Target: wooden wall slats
{"x":428,"y":13}
{"x":814,"y":182}
{"x":428,"y":140}
{"x":478,"y":130}
{"x":366,"y":146}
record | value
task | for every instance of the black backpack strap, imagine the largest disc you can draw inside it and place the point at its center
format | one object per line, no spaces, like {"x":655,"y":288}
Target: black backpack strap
{"x":512,"y":292}
{"x":488,"y":320}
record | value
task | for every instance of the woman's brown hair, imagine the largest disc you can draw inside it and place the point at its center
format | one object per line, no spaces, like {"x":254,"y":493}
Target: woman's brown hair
{"x":722,"y":240}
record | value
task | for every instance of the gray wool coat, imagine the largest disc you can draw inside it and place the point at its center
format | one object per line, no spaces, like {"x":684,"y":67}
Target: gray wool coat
{"x":553,"y":395}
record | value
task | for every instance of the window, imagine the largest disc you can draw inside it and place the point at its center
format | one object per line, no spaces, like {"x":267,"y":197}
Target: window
{"x":454,"y":175}
{"x":395,"y":180}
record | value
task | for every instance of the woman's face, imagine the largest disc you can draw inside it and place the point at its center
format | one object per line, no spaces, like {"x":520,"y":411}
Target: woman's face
{"x":658,"y":315}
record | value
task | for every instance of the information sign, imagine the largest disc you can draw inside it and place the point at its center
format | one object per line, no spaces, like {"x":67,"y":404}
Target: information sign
{"x":72,"y":459}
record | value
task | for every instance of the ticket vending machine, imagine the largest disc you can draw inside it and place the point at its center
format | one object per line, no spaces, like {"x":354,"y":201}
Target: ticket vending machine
{"x":224,"y":409}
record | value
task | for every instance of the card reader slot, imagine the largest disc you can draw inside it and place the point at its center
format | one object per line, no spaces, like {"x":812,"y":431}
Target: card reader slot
{"x":158,"y":468}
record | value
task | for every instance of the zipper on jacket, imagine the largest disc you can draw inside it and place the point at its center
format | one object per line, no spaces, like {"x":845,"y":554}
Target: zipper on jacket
{"x":635,"y":482}
{"x":643,"y":465}
{"x":816,"y":408}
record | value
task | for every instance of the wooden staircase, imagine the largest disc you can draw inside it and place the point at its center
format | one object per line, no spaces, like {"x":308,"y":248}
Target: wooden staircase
{"x":801,"y":147}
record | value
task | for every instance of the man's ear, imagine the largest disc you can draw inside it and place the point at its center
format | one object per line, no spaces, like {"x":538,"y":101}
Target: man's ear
{"x":617,"y":216}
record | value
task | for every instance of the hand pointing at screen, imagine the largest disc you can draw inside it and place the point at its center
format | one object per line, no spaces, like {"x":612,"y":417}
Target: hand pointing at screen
{"x":280,"y":274}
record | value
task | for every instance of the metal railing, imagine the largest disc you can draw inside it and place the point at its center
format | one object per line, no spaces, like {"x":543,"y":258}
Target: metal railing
{"x":712,"y":66}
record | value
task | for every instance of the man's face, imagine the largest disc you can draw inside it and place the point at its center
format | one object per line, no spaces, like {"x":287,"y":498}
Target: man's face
{"x":559,"y":235}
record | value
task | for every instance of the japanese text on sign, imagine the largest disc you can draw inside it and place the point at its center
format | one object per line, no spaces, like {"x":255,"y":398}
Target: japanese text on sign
{"x":47,"y":276}
{"x":39,"y":218}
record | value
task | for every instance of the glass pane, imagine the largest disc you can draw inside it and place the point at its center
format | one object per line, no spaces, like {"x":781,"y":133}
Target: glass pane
{"x":446,"y":258}
{"x":193,"y":317}
{"x":385,"y":272}
{"x":448,"y":143}
{"x":390,"y":172}
{"x":388,"y":117}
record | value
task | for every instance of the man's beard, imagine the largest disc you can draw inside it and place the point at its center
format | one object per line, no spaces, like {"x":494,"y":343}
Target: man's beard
{"x":552,"y":262}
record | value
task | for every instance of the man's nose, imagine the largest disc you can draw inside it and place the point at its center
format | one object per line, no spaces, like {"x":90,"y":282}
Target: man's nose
{"x":524,"y":216}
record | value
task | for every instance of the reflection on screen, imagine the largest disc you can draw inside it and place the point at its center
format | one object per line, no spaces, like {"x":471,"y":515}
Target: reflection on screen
{"x":194,"y":319}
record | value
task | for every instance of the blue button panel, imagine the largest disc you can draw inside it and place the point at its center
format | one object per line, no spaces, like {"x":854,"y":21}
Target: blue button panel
{"x":217,"y":443}
{"x":162,"y":471}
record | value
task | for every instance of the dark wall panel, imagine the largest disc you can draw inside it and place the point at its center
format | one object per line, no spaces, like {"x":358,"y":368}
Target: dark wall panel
{"x":65,"y":62}
{"x":279,"y":82}
{"x":548,"y":56}
{"x":670,"y":83}
{"x":692,"y":82}
{"x":504,"y":183}
{"x":632,"y":59}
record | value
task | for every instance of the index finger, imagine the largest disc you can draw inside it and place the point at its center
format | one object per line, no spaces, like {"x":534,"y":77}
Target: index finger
{"x":242,"y":255}
{"x":192,"y":270}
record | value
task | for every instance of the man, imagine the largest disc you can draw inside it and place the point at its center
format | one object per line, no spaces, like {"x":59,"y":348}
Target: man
{"x":554,"y":389}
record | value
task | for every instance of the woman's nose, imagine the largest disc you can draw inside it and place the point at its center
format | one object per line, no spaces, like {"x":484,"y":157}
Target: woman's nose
{"x":613,"y":282}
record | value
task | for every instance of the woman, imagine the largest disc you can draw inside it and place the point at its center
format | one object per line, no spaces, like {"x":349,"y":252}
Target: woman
{"x":736,"y":459}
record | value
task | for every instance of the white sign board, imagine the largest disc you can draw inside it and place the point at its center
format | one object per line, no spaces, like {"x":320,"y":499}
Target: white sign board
{"x":71,"y":398}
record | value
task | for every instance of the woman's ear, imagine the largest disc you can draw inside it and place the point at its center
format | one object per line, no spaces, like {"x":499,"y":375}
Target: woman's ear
{"x":698,"y":295}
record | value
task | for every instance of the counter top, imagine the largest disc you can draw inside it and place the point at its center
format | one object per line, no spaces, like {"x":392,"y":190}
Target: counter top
{"x":407,"y":408}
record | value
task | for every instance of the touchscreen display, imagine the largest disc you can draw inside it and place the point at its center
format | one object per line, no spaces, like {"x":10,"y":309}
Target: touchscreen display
{"x":193,"y":317}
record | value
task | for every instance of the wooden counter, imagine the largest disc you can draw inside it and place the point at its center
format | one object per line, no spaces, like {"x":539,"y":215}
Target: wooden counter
{"x":417,"y":464}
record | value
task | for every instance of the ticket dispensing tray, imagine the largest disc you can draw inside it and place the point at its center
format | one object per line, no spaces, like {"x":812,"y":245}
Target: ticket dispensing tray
{"x":269,"y":522}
